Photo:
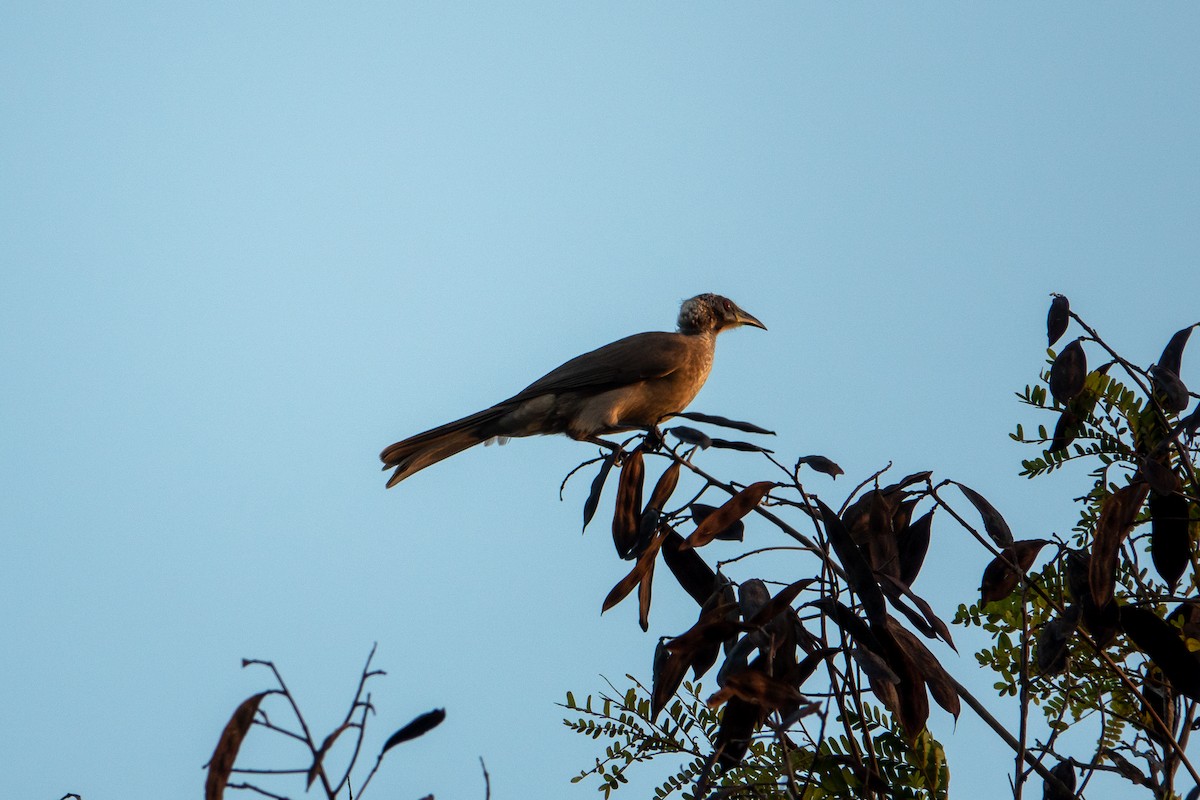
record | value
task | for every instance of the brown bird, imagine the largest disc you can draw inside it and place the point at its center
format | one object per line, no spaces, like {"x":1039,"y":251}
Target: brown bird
{"x":635,"y":382}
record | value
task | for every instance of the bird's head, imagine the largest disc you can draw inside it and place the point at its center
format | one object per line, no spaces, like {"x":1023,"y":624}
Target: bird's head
{"x":712,"y":313}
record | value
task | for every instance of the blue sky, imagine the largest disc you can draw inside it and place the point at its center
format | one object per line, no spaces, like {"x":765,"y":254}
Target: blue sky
{"x":248,"y":245}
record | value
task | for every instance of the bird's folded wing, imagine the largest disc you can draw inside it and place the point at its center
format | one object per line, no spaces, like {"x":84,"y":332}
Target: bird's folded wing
{"x":640,"y":357}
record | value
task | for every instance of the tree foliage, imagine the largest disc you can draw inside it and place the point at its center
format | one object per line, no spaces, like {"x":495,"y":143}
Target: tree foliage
{"x":820,"y":656}
{"x":826,"y":653}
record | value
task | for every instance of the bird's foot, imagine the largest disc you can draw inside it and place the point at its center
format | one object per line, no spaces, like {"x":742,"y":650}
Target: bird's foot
{"x":605,"y":443}
{"x":653,"y":440}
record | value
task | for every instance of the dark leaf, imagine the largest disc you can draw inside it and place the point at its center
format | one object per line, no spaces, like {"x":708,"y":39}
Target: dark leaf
{"x":647,"y":525}
{"x":745,"y":447}
{"x":644,"y":592}
{"x":779,"y":603}
{"x":1077,"y":411}
{"x":644,"y":564}
{"x":874,"y":666}
{"x":907,"y":481}
{"x":913,"y":544}
{"x":901,"y":519}
{"x":733,"y":737}
{"x":665,"y":487}
{"x":820,"y":464}
{"x":593,"y":499}
{"x":993,"y":523}
{"x":848,"y":621}
{"x":654,"y":506}
{"x":319,"y":758}
{"x":221,"y":764}
{"x":1068,"y":372}
{"x":1078,"y":565}
{"x":1165,"y":706}
{"x":724,"y":422}
{"x":858,"y":572}
{"x":693,"y":574}
{"x":734,"y":533}
{"x":1052,"y":651}
{"x":668,"y":673}
{"x":869,"y":521}
{"x":752,"y":596}
{"x":418,"y":727}
{"x":1065,"y":430}
{"x":896,"y":599}
{"x":941,"y":685}
{"x":734,"y":509}
{"x":798,"y":674}
{"x":1191,"y":423}
{"x":726,"y":595}
{"x":914,"y":701}
{"x":705,"y":654}
{"x":755,"y":686}
{"x":627,"y":513}
{"x":737,"y":658}
{"x":691,"y":436}
{"x":800,"y":712}
{"x":1004,"y":572}
{"x":713,"y":626}
{"x":1160,"y":476}
{"x":1117,"y":515}
{"x":1057,"y":319}
{"x":1172,"y":354}
{"x":934,"y":621}
{"x":1170,"y":545}
{"x":1162,"y":642}
{"x":1101,"y":623}
{"x":882,"y":544}
{"x":1065,"y":773}
{"x":885,"y":691}
{"x":1172,"y":392}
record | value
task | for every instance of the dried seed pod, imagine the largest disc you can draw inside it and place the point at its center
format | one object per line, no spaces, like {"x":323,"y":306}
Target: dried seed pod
{"x":1171,"y":391}
{"x":725,"y":422}
{"x":734,"y":509}
{"x":858,"y":571}
{"x":593,"y":498}
{"x":1052,"y":651}
{"x":221,"y":764}
{"x":1117,"y":516}
{"x":627,"y":512}
{"x":1068,"y":372}
{"x":997,"y":529}
{"x":1162,"y":642}
{"x":691,"y":436}
{"x":820,"y":464}
{"x":1000,"y":576}
{"x":1172,"y":354}
{"x":1065,"y":773}
{"x":1170,"y":544}
{"x":913,"y":544}
{"x":1058,"y":318}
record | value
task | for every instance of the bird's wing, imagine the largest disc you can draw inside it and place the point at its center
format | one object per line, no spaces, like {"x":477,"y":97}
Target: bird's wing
{"x":640,"y":357}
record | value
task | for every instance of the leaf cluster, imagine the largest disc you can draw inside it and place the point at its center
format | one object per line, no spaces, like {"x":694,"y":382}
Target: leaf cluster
{"x":836,"y":675}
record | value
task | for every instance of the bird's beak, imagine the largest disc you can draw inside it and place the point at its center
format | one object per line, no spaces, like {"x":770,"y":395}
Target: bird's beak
{"x":749,"y":319}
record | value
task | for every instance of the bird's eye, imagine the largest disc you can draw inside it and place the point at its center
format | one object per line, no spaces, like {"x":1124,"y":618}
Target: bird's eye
{"x":728,"y":305}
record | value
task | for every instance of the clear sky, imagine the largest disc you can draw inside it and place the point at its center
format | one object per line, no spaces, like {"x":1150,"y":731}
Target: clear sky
{"x":246,"y":245}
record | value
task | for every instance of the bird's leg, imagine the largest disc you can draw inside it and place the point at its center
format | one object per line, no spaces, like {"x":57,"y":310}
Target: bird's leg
{"x":654,"y":438}
{"x":603,"y":443}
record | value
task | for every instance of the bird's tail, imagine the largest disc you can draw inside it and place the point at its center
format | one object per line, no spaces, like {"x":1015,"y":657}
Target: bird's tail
{"x":418,"y":452}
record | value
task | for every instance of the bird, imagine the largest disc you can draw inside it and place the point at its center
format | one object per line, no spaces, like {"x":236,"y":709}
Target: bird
{"x":633,"y":383}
